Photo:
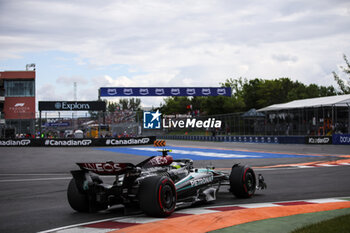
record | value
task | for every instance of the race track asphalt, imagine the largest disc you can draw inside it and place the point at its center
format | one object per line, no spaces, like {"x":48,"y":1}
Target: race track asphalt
{"x":33,"y":181}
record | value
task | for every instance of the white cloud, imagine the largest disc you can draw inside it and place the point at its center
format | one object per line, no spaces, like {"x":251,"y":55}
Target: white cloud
{"x":47,"y":92}
{"x":69,"y":81}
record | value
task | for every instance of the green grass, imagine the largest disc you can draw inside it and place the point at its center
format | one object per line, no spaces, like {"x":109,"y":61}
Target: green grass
{"x":339,"y":225}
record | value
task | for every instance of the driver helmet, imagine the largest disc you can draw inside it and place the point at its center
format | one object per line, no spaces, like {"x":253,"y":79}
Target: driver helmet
{"x":176,"y":165}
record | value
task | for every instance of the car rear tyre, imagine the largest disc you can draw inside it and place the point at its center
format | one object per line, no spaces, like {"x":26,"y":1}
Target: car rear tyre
{"x":242,"y":181}
{"x":83,"y":202}
{"x":157,"y":196}
{"x":77,"y":200}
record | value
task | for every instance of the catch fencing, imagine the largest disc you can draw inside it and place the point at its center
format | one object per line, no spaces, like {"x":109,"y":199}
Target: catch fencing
{"x":336,"y":139}
{"x":322,"y":121}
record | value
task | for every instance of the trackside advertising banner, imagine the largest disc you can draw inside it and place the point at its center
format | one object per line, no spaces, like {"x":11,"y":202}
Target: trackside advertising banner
{"x":19,"y":107}
{"x":77,"y":142}
{"x":318,"y":140}
{"x":165,"y":91}
{"x":72,"y":106}
{"x":343,"y":139}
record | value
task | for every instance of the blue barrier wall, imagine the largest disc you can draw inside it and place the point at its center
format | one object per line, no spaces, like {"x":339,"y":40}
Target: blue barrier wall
{"x":341,"y":139}
{"x":337,"y":139}
{"x":246,"y":139}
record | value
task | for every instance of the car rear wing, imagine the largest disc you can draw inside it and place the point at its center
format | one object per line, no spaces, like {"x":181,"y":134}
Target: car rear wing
{"x":107,"y":168}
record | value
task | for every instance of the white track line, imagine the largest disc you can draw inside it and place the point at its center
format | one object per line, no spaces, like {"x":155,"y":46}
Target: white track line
{"x":87,"y":230}
{"x":276,"y":169}
{"x":257,"y":205}
{"x":196,"y":211}
{"x":80,"y":224}
{"x":34,"y":174}
{"x":38,"y":179}
{"x":327,"y":165}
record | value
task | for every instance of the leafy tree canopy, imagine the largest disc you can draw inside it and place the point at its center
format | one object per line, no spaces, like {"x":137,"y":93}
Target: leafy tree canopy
{"x":344,"y":85}
{"x":247,"y":94}
{"x":132,"y":104}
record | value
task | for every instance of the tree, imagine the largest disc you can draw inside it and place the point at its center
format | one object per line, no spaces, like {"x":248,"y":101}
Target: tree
{"x":213,"y":105}
{"x":255,"y":93}
{"x":210,"y":105}
{"x":259,"y":93}
{"x":344,"y":85}
{"x":236,"y":102}
{"x":175,"y":105}
{"x":112,"y":107}
{"x":133,"y":104}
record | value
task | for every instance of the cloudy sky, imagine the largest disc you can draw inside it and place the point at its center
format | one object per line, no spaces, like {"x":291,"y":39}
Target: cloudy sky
{"x":136,"y":43}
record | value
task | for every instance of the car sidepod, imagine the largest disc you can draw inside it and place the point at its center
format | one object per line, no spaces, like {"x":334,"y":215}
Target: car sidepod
{"x":196,"y":186}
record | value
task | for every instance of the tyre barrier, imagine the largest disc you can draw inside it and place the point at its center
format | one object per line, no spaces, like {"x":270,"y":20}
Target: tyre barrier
{"x":336,"y":139}
{"x":84,"y":142}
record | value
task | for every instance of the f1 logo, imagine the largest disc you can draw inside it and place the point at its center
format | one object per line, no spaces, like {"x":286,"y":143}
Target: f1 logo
{"x":151,"y":120}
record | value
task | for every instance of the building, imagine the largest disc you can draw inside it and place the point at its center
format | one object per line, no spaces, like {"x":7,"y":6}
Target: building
{"x":315,"y":116}
{"x":17,"y":102}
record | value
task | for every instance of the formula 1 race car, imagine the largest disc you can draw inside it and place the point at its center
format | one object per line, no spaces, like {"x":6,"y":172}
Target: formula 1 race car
{"x":158,"y":185}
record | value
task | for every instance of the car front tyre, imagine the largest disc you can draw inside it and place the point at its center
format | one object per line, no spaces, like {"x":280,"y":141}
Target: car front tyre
{"x":242,"y":181}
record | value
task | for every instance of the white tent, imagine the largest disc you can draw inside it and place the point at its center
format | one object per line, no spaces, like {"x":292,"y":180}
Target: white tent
{"x":338,"y":101}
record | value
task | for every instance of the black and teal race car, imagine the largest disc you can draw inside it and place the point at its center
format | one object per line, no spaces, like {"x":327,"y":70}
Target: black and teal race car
{"x":157,"y":185}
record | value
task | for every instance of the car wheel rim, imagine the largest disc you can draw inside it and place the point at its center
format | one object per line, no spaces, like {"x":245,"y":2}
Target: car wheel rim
{"x":250,"y":182}
{"x":167,"y":197}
